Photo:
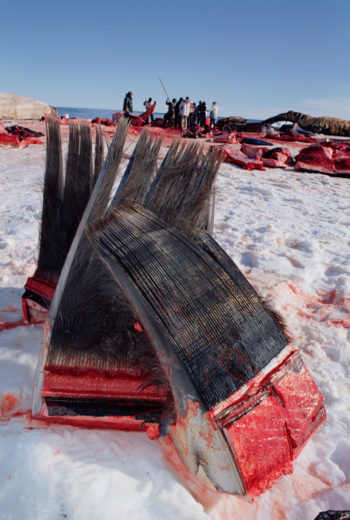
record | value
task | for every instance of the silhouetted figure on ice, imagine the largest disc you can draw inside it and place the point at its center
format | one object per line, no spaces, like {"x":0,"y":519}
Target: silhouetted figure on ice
{"x":127,"y":105}
{"x":169,"y":117}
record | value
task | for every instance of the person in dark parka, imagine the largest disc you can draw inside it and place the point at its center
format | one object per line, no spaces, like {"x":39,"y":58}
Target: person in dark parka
{"x":169,"y":118}
{"x":202,"y":108}
{"x":177,"y":115}
{"x":127,"y":105}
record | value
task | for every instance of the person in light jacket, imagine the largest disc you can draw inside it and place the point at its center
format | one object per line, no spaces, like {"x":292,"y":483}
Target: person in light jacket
{"x":148,"y":104}
{"x":184,"y":112}
{"x":213,"y":114}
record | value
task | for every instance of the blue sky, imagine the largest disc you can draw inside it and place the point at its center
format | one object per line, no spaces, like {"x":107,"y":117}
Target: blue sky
{"x":255,"y":58}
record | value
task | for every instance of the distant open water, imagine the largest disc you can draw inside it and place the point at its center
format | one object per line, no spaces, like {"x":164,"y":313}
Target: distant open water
{"x":91,"y":113}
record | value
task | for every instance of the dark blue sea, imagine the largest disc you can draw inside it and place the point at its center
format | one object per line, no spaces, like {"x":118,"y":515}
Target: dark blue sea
{"x":91,"y":113}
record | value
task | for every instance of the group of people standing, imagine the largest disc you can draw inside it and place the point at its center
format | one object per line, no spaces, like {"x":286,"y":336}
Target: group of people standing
{"x":128,"y":107}
{"x":185,"y":114}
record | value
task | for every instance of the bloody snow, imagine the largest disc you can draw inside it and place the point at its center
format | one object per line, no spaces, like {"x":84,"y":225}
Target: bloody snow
{"x":289,"y":233}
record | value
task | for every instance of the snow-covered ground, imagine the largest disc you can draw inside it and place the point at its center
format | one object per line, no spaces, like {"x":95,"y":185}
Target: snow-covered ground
{"x":289,"y":233}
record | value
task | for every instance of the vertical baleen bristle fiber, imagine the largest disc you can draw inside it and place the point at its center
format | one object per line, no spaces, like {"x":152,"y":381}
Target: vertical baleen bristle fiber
{"x":101,"y":190}
{"x":173,"y":173}
{"x":139,"y":172}
{"x":95,"y":207}
{"x":195,"y":212}
{"x":85,"y":159}
{"x":173,"y":149}
{"x":109,"y":170}
{"x":72,"y":157}
{"x":51,"y":251}
{"x":77,"y":189}
{"x":180,"y":194}
{"x":99,"y":153}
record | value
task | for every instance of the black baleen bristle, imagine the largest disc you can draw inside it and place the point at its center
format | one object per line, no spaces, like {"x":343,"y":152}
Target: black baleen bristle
{"x":223,"y":336}
{"x":64,"y":199}
{"x":51,"y":246}
{"x":139,"y":172}
{"x":181,"y":190}
{"x":94,"y":327}
{"x":78,"y":181}
{"x":99,"y":153}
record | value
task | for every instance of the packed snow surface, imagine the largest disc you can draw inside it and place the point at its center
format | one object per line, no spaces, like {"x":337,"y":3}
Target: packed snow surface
{"x":289,"y":233}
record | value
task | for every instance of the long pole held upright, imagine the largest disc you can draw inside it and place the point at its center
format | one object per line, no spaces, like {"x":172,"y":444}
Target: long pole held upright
{"x":167,"y":95}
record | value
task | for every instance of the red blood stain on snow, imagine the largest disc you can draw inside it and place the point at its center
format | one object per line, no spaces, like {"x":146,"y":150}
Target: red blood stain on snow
{"x":345,"y":323}
{"x":7,"y":325}
{"x":10,"y":308}
{"x":292,"y":288}
{"x":306,"y":486}
{"x":9,"y":408}
{"x":320,"y":475}
{"x":9,"y":404}
{"x":331,"y":297}
{"x":332,"y":308}
{"x":279,"y":510}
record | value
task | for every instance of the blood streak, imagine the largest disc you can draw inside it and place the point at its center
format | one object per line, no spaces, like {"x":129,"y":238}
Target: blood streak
{"x":7,"y":325}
